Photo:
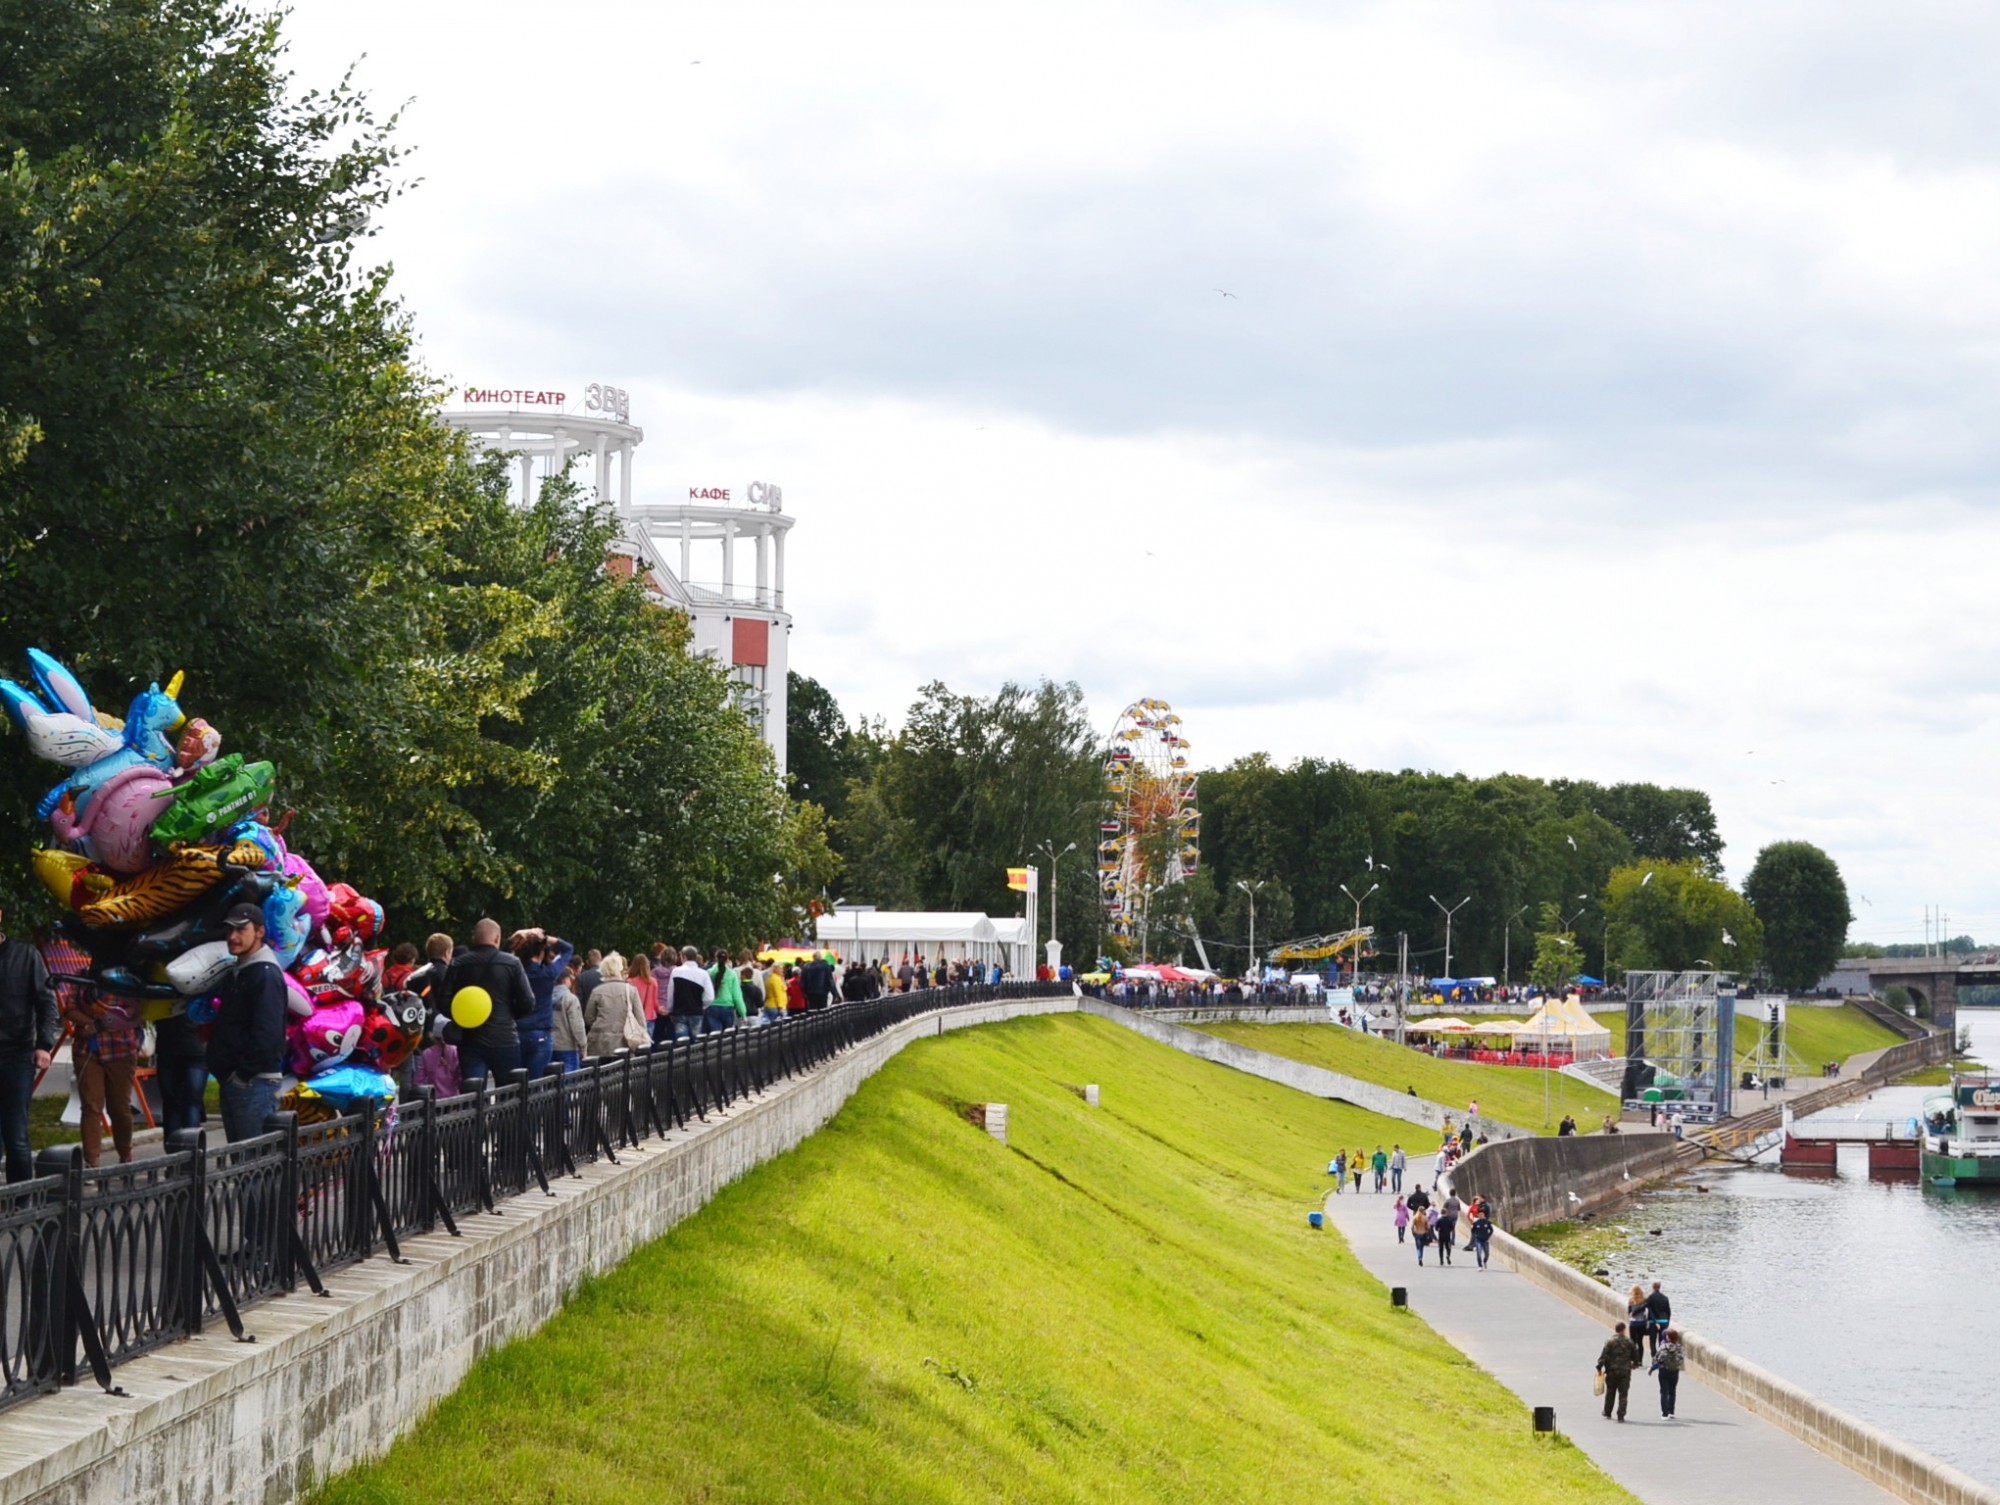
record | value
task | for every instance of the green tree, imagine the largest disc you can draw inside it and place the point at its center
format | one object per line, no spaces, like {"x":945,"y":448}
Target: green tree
{"x":822,"y":755}
{"x":1798,"y":893}
{"x":1558,"y":959}
{"x":969,"y":787}
{"x":217,"y":454}
{"x":1673,"y":916}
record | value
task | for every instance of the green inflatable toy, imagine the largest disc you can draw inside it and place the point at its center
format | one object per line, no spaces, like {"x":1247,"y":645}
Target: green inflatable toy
{"x":213,"y":800}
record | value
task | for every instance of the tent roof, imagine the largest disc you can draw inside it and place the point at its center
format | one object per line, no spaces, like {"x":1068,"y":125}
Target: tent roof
{"x":904,"y":925}
{"x":1010,"y":932}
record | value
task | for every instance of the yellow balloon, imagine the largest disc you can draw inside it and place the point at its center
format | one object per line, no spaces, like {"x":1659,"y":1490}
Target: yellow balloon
{"x":471,"y":1007}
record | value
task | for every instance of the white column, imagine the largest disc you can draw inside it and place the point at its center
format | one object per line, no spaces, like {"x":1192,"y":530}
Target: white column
{"x":527,"y":479}
{"x":728,"y":557}
{"x":763,"y":565}
{"x":625,"y":477}
{"x":778,"y":546}
{"x":598,"y":478}
{"x":687,"y":545}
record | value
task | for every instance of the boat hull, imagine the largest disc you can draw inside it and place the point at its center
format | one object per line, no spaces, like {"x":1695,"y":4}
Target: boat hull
{"x":1961,"y":1170}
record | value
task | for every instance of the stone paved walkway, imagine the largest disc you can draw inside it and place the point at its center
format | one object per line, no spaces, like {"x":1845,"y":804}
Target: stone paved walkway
{"x":1544,"y":1350}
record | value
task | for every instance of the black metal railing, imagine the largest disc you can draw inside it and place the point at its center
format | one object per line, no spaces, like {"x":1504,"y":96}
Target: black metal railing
{"x":98,"y":1266}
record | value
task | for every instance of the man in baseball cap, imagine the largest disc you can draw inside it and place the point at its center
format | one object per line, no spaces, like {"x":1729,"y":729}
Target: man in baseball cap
{"x":246,"y":1048}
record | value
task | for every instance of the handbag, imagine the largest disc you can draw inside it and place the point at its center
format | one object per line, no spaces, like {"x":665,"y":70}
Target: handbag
{"x":635,"y":1035}
{"x":1598,"y":1388}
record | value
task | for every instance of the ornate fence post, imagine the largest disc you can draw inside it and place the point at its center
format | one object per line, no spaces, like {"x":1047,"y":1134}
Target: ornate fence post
{"x":65,"y":1160}
{"x":360,"y":1183}
{"x":183,"y":1272}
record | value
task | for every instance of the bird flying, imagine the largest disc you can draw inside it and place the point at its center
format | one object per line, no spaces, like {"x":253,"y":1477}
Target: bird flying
{"x":1645,"y":880}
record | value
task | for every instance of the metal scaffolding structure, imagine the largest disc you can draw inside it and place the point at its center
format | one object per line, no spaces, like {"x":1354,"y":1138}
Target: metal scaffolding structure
{"x":1680,"y":1031}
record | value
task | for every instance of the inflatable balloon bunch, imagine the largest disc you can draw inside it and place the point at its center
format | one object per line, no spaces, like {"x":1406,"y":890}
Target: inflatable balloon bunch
{"x":157,"y":835}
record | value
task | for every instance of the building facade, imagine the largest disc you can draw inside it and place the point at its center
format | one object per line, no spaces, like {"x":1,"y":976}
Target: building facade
{"x":716,"y":553}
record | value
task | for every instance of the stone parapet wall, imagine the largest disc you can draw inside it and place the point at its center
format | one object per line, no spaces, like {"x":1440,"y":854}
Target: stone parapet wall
{"x":1906,"y":1471}
{"x":1296,"y":1074}
{"x":331,"y":1383}
{"x":1539,"y":1180}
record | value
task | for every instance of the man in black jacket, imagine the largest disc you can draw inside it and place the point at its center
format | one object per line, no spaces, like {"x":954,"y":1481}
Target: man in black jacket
{"x":28,"y":1025}
{"x":494,"y":1046}
{"x":816,"y":977}
{"x":246,"y":1048}
{"x":1659,"y":1315}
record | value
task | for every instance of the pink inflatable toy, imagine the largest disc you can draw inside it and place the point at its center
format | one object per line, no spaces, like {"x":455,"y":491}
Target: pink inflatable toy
{"x":116,"y":829}
{"x":318,"y":905}
{"x":326,"y":1039}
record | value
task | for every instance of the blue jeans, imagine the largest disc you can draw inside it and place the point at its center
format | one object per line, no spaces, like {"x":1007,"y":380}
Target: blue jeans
{"x":720,"y":1017}
{"x":536,"y":1052}
{"x":245,"y":1106}
{"x":662,"y":1026}
{"x":183,"y":1080}
{"x":688,"y":1026}
{"x":569,"y":1060}
{"x":476,"y":1061}
{"x":17,"y":1086}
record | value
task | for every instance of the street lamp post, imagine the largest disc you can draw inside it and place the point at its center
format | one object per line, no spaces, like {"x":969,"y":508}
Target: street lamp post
{"x":1356,"y":973}
{"x":1448,"y":913}
{"x":1055,"y":865}
{"x":1507,"y":946}
{"x":1256,"y":976}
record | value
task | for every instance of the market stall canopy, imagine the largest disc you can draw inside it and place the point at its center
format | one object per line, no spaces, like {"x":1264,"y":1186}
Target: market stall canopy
{"x":1444,"y":1025}
{"x":904,"y":925}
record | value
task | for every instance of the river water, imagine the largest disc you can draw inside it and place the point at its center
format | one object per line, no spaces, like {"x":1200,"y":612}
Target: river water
{"x":1876,"y":1296}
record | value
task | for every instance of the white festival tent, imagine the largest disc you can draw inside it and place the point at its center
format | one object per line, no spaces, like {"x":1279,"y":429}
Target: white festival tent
{"x":1564,"y":1019}
{"x":875,"y":934}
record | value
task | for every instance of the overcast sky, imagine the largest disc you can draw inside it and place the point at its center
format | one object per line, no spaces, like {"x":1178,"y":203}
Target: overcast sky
{"x":1606,"y":390}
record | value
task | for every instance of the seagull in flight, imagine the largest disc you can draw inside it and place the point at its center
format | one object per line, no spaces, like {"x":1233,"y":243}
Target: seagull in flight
{"x":1728,"y":939}
{"x":1227,"y":293}
{"x":1647,"y":879}
{"x":1572,"y":842}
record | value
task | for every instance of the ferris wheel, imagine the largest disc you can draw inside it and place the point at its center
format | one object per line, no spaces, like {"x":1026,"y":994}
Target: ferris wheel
{"x":1151,"y":832}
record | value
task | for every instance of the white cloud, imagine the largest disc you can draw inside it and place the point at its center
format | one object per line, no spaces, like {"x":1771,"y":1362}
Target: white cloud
{"x":1607,"y":391}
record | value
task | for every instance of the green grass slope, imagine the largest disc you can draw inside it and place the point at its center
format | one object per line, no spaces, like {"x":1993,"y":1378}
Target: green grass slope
{"x":1512,"y":1094}
{"x":1123,"y":1304}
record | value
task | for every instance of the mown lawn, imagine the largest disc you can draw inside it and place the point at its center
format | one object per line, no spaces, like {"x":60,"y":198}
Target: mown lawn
{"x":1512,"y":1094}
{"x":1123,"y":1304}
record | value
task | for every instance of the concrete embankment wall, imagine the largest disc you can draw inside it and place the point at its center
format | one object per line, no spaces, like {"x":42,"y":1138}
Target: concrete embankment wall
{"x":1905,"y":1471}
{"x":331,"y":1383}
{"x":1532,"y":1181}
{"x":1246,"y":1013}
{"x":1296,"y":1074}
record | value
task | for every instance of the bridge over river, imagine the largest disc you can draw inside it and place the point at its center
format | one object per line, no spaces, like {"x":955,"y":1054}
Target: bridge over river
{"x":1935,"y":980}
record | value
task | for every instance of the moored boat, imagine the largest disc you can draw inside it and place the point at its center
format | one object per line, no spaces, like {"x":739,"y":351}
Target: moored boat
{"x":1962,"y":1132}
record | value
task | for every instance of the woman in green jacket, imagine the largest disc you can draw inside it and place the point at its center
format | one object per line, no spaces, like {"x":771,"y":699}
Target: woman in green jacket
{"x":727,"y":1010}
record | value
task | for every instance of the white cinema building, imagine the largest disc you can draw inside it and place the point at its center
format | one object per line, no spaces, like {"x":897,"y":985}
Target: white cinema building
{"x":691,"y":549}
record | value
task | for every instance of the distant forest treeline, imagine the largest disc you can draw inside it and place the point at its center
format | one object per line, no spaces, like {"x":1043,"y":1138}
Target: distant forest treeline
{"x":930,"y":816}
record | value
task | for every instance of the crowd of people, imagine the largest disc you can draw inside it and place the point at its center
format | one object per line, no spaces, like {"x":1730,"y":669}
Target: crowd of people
{"x":550,"y":1006}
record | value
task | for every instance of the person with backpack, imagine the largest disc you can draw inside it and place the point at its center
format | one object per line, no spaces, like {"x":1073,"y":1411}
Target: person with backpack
{"x":1668,"y":1361}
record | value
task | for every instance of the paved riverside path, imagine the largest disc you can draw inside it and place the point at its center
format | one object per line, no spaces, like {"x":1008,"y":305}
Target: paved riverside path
{"x":1545,"y":1350}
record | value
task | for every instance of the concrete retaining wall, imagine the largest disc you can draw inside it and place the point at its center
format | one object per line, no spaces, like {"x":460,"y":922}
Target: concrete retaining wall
{"x":1296,"y":1074}
{"x":1249,"y":1013}
{"x":1905,"y":1471}
{"x":331,"y":1383}
{"x":1531,"y":1181}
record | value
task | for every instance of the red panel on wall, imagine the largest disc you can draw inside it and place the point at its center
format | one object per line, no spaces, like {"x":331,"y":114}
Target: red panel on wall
{"x":752,"y":643}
